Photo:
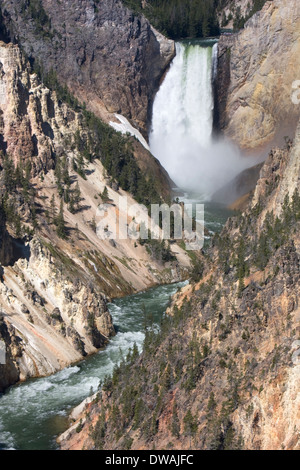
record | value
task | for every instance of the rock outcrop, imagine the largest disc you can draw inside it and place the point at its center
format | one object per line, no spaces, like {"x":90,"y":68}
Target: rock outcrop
{"x":32,"y":120}
{"x":9,"y":373}
{"x":240,"y":187}
{"x":110,"y":59}
{"x":35,"y":125}
{"x":257,"y":69}
{"x":231,"y":11}
{"x":58,"y":318}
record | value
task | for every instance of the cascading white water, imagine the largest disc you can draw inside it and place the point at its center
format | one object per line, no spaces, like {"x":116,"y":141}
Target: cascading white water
{"x":187,"y":92}
{"x":182,"y":123}
{"x":215,"y":60}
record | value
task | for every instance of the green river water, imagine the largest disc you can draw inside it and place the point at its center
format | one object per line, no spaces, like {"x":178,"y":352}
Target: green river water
{"x":32,"y":414}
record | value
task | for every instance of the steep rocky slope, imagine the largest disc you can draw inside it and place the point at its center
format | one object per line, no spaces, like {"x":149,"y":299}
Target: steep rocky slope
{"x":56,"y":272}
{"x":224,"y":371}
{"x":233,"y":13}
{"x":257,"y":68}
{"x":109,"y":58}
{"x":239,"y":189}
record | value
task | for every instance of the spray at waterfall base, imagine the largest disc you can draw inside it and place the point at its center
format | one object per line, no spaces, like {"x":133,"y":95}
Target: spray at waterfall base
{"x":123,"y":221}
{"x":181,"y":136}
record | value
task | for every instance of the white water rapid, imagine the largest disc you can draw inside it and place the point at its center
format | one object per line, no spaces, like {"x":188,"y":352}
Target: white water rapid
{"x":182,"y":123}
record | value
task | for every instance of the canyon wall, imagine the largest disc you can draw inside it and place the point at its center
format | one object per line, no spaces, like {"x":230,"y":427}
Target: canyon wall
{"x":109,"y":58}
{"x":257,"y":69}
{"x":224,"y":371}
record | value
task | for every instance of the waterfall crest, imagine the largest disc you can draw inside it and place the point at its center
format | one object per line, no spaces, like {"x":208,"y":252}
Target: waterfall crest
{"x":182,"y":123}
{"x":183,"y":93}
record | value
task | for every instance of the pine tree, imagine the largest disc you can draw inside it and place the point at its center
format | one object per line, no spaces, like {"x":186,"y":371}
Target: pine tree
{"x":77,"y":195}
{"x":18,"y":227}
{"x":9,"y":174}
{"x":80,"y":167}
{"x":58,"y":177}
{"x":94,"y":225}
{"x":135,"y":352}
{"x":104,"y":195}
{"x":65,"y":172}
{"x":19,"y":175}
{"x":53,"y":209}
{"x":211,"y":402}
{"x":190,"y":424}
{"x":71,"y":206}
{"x":60,"y":223}
{"x":175,"y":425}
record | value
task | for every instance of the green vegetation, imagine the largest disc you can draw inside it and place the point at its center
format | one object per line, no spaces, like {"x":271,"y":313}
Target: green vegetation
{"x":175,"y":425}
{"x":104,"y":195}
{"x":190,"y":424}
{"x":276,"y":231}
{"x":4,"y":36}
{"x":251,"y":250}
{"x":236,"y":14}
{"x":179,"y":19}
{"x":239,"y":20}
{"x":116,"y":154}
{"x":15,"y":189}
{"x":51,"y":81}
{"x":34,"y":9}
{"x":158,"y":249}
{"x":74,"y":199}
{"x":177,"y":360}
{"x":60,"y":223}
{"x":99,"y":140}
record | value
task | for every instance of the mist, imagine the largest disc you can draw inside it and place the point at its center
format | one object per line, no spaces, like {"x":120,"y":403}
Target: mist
{"x":182,"y":123}
{"x":196,"y":168}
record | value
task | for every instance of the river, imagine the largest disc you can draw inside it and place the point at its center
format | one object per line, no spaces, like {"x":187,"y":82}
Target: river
{"x":32,"y":414}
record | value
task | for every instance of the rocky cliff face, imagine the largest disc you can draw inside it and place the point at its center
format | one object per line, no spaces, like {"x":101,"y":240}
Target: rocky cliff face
{"x":9,"y":370}
{"x":109,"y":58}
{"x":56,"y":317}
{"x":232,"y":11}
{"x":54,"y":289}
{"x":257,"y":68}
{"x":224,"y":371}
{"x":239,"y":189}
{"x":30,"y":114}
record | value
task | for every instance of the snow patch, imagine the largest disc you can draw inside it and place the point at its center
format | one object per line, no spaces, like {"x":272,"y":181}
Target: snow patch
{"x":125,"y":127}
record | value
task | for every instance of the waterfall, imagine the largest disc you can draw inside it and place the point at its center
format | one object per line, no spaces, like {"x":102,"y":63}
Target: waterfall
{"x":215,"y":60}
{"x":182,"y":123}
